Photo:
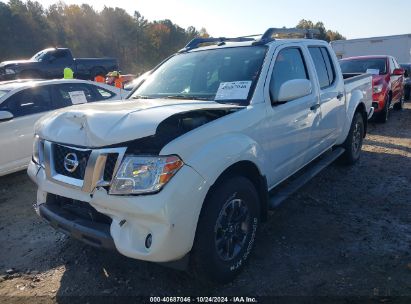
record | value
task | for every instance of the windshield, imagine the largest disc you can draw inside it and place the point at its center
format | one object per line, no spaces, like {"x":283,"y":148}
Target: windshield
{"x":3,"y":92}
{"x":224,"y":75}
{"x":376,"y":66}
{"x":39,"y":56}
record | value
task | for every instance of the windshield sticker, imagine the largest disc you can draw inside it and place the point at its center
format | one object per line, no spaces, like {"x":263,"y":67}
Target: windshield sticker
{"x":237,"y":90}
{"x":77,"y":97}
{"x":373,"y":71}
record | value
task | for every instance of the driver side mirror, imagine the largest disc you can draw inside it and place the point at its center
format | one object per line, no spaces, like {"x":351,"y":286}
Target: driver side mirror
{"x":5,"y":116}
{"x":398,"y":72}
{"x":290,"y":90}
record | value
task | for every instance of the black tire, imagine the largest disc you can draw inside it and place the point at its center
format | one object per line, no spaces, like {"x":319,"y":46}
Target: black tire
{"x":407,"y":93}
{"x":30,"y":75}
{"x":230,"y":212}
{"x":400,"y":104}
{"x":383,"y":115}
{"x":354,"y":140}
{"x":98,"y":72}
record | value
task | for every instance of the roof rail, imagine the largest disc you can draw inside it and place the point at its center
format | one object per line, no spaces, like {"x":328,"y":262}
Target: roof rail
{"x":196,"y":42}
{"x":268,"y":35}
{"x":265,"y":38}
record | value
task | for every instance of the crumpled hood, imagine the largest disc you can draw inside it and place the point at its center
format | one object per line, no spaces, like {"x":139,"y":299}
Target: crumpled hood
{"x":107,"y":123}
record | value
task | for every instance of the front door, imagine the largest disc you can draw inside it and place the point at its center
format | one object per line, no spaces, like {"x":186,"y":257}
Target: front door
{"x":288,"y":125}
{"x":16,"y":135}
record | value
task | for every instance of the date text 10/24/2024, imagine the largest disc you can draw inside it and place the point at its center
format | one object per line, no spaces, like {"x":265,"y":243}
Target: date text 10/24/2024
{"x":203,"y":300}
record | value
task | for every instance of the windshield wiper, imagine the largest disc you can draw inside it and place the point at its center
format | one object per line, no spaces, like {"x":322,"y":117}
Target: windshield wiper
{"x":186,"y":97}
{"x":141,"y":97}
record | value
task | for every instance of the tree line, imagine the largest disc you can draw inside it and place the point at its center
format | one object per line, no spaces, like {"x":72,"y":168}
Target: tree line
{"x":139,"y":44}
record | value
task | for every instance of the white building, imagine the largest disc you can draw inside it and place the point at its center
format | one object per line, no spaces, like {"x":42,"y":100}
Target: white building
{"x":398,"y":46}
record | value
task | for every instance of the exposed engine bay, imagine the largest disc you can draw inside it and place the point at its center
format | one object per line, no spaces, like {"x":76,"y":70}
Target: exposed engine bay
{"x":175,"y":126}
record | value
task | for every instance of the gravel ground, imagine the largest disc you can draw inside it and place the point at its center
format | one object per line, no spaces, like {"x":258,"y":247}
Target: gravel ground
{"x":346,"y":233}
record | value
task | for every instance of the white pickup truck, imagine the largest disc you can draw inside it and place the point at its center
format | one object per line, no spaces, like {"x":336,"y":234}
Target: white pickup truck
{"x":186,"y":170}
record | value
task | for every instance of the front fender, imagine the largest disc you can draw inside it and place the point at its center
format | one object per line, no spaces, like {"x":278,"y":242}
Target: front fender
{"x":214,"y":157}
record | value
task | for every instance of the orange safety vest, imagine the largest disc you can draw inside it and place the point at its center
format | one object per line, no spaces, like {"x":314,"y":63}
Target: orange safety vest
{"x":118,"y":83}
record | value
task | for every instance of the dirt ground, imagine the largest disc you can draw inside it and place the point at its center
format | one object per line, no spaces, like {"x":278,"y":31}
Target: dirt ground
{"x":346,"y":233}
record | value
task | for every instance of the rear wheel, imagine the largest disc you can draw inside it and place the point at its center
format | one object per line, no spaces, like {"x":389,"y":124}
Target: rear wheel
{"x":354,"y":140}
{"x":226,"y":230}
{"x":399,"y":105}
{"x":98,"y":72}
{"x":407,"y":93}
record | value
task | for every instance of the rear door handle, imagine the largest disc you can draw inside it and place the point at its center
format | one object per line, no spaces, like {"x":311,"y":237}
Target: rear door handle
{"x":340,"y":95}
{"x":314,"y":107}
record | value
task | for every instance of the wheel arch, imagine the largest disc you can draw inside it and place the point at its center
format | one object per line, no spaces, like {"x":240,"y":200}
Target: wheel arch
{"x":249,"y":170}
{"x":362,"y":109}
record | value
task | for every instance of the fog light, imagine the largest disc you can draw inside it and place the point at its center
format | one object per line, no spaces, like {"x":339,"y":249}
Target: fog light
{"x":149,"y":240}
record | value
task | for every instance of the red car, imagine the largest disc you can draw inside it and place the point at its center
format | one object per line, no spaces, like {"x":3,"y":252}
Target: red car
{"x":388,"y":81}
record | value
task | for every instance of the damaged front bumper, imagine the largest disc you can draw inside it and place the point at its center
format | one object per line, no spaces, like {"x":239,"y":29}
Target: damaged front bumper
{"x":169,"y":217}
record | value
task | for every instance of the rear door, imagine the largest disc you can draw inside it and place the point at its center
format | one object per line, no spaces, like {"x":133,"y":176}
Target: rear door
{"x":16,"y":135}
{"x":288,"y":125}
{"x":331,"y":100}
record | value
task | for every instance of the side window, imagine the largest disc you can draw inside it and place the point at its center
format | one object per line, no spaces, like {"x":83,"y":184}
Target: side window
{"x":63,"y":98}
{"x":392,"y":65}
{"x":329,"y":65}
{"x":29,"y":101}
{"x":104,"y":94}
{"x":320,"y":66}
{"x":289,"y":65}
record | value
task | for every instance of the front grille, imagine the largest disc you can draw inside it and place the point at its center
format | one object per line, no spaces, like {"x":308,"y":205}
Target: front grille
{"x":60,"y":152}
{"x":78,"y":209}
{"x":109,"y":168}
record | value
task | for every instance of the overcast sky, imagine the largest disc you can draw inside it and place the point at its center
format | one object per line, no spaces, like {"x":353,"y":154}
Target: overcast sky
{"x":352,"y":18}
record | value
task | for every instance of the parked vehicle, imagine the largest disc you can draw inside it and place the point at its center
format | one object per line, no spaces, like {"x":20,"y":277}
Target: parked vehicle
{"x":397,"y":46}
{"x":388,"y":78}
{"x":50,"y":63}
{"x":23,"y":102}
{"x":407,"y":80}
{"x":186,"y":172}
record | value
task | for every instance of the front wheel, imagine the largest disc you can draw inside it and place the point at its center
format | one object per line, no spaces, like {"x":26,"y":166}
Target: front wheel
{"x":226,"y":230}
{"x":383,"y":115}
{"x":354,"y":140}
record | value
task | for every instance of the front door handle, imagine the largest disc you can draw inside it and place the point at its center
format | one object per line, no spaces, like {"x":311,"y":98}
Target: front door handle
{"x":314,"y":107}
{"x":340,"y":95}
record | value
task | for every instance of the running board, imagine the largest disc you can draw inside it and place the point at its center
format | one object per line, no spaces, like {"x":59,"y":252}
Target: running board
{"x":282,"y":192}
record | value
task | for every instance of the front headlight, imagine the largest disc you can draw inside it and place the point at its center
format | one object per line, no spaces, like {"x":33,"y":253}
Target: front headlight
{"x":144,"y":174}
{"x":38,"y":151}
{"x":10,"y":71}
{"x":377,"y":89}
